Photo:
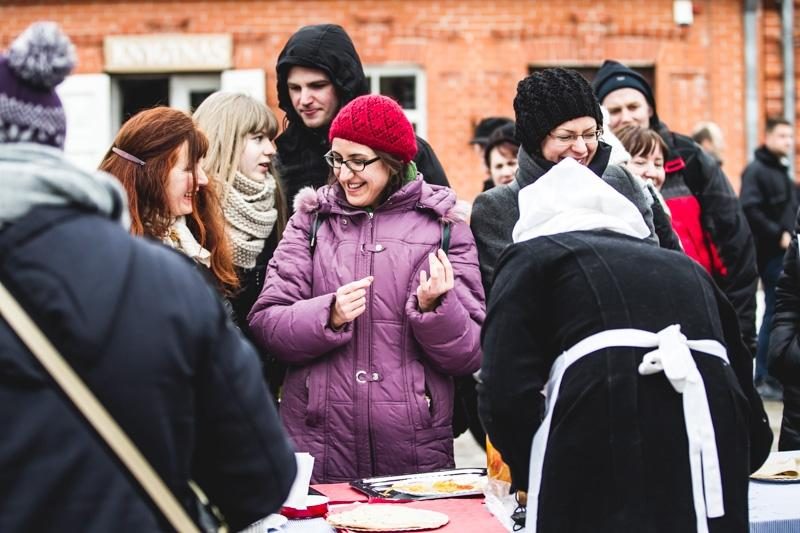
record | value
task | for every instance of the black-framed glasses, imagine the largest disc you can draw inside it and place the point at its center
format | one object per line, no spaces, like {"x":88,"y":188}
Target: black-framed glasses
{"x":335,"y":161}
{"x":570,"y":138}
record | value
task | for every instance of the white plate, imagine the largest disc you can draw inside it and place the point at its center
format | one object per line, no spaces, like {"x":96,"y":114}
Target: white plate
{"x":272,"y":522}
{"x":427,"y":486}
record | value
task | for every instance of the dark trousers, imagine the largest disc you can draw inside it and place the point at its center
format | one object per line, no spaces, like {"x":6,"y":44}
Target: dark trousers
{"x":769,"y":278}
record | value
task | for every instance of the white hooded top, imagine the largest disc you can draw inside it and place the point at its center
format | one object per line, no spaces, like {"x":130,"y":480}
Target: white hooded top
{"x":570,"y":197}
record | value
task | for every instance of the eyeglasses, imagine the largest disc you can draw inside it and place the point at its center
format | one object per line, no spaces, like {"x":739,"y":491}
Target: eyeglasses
{"x":571,"y":138}
{"x":335,"y":161}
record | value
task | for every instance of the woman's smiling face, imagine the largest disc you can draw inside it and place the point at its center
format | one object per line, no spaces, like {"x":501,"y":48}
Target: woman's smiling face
{"x":181,"y":186}
{"x":362,"y":188}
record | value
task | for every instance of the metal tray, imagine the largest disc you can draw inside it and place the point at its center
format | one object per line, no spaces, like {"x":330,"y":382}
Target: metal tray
{"x":380,"y":487}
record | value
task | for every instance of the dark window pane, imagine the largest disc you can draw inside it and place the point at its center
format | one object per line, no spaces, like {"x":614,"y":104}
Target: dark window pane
{"x":369,"y":83}
{"x":196,"y":98}
{"x":142,"y":93}
{"x":402,"y":89}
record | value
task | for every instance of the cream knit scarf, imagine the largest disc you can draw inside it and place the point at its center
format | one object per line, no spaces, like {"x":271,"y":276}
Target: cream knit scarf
{"x":250,"y":214}
{"x":181,"y":238}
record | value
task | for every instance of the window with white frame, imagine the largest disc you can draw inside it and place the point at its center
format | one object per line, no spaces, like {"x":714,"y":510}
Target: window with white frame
{"x":406,"y":84}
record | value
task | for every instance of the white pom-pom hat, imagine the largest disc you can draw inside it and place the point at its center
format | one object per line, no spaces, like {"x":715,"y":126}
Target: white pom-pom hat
{"x":30,"y":110}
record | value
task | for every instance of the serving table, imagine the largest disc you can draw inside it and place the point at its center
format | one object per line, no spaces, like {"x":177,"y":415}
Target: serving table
{"x":775,"y":507}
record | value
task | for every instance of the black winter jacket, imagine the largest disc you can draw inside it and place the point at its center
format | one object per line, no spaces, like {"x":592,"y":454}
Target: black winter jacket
{"x":695,"y":172}
{"x":299,"y":161}
{"x":151,"y":339}
{"x":783,"y":358}
{"x":617,"y":450}
{"x":769,"y":200}
{"x":692,"y":171}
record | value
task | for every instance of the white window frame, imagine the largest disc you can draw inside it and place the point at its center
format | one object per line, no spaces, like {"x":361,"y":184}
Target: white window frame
{"x":418,"y":116}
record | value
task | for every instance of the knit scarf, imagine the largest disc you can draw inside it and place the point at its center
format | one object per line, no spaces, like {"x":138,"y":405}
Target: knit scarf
{"x":250,"y":214}
{"x":180,"y":237}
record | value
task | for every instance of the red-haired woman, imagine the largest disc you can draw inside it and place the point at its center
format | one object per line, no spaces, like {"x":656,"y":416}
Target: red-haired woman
{"x":157,"y":155}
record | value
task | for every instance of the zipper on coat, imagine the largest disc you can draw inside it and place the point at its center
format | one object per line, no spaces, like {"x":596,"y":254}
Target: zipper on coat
{"x":371,"y":265}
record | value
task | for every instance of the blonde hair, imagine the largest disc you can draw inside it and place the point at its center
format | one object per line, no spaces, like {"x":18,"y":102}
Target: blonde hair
{"x":227,"y":118}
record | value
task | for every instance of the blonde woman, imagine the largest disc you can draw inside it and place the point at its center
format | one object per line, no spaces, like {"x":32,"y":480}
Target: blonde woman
{"x":240,"y":132}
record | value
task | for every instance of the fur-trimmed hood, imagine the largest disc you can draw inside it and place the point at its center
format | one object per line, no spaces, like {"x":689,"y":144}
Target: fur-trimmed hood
{"x":440,"y":201}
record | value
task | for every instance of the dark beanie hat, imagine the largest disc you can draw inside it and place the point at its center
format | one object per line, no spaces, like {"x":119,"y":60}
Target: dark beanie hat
{"x":502,"y":135}
{"x":30,"y":110}
{"x":486,"y":127}
{"x":378,"y":122}
{"x":614,"y":75}
{"x":549,"y":98}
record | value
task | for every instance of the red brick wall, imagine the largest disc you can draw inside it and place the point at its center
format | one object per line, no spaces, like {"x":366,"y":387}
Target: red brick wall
{"x":473,"y":51}
{"x":772,"y":73}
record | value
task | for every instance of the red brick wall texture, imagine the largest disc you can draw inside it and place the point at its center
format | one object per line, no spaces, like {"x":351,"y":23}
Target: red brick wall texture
{"x":473,"y":51}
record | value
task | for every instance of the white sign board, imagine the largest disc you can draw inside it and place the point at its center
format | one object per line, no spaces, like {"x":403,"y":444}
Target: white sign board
{"x":167,"y":52}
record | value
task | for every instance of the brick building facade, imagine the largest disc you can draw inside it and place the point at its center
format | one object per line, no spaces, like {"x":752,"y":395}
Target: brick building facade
{"x":455,"y":61}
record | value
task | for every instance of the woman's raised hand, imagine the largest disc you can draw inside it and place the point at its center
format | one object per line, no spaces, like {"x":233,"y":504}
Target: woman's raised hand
{"x":351,"y":302}
{"x":440,"y":281}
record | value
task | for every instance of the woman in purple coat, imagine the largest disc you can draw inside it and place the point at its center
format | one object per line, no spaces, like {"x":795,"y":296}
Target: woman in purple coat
{"x":374,"y":300}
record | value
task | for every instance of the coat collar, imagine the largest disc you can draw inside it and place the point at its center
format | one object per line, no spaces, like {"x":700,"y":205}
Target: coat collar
{"x":533,"y":167}
{"x":417,"y":194}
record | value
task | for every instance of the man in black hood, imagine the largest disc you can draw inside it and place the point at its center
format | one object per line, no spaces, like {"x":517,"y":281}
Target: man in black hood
{"x":319,"y":72}
{"x":693,"y":179}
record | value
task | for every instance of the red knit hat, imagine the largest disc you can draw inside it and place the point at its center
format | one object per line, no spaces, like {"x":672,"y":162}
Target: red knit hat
{"x":378,"y":122}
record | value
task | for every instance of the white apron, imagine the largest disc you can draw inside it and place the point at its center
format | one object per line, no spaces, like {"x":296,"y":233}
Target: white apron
{"x":672,"y":356}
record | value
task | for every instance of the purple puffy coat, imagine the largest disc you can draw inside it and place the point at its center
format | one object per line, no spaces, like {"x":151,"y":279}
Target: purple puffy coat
{"x":395,"y":417}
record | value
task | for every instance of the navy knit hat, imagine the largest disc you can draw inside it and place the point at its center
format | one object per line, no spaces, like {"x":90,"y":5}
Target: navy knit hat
{"x":614,"y":75}
{"x":549,"y":98}
{"x":30,"y":110}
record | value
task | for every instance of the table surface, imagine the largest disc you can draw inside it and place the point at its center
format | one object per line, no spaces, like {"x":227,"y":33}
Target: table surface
{"x":775,"y":504}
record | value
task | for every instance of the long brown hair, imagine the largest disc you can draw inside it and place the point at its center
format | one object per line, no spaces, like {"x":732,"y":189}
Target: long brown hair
{"x":156,"y":136}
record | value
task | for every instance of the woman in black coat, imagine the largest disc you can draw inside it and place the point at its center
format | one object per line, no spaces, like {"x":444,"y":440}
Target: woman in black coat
{"x":616,"y":458}
{"x":783,"y":358}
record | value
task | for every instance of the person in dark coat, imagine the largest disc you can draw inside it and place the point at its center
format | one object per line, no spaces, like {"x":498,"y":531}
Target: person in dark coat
{"x":139,"y":325}
{"x":574,"y":345}
{"x":769,"y":199}
{"x":696,"y":191}
{"x":554,"y":107}
{"x":319,"y":72}
{"x":783,"y":356}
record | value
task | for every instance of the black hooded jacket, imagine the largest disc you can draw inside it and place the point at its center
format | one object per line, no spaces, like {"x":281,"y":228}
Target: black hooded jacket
{"x":769,"y":200}
{"x":146,"y":333}
{"x":691,"y":171}
{"x":783,"y":357}
{"x":328,"y":48}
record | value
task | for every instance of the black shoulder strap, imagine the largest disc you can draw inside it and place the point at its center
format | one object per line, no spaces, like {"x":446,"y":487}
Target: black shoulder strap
{"x":312,"y":234}
{"x":445,"y":243}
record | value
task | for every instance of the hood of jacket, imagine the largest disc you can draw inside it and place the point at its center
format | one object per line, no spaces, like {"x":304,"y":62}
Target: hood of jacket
{"x":326,"y":47}
{"x":611,"y":71}
{"x":440,"y":201}
{"x":569,"y":197}
{"x":35,"y":175}
{"x":770,"y":159}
